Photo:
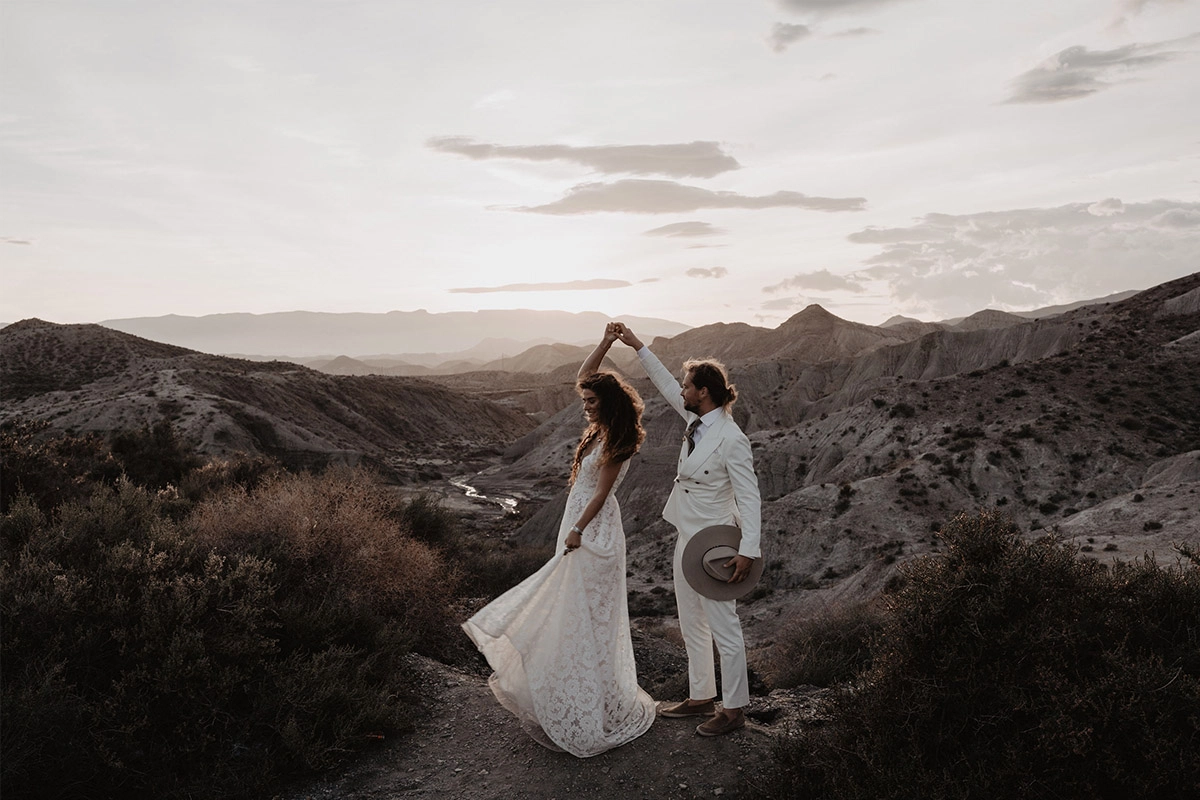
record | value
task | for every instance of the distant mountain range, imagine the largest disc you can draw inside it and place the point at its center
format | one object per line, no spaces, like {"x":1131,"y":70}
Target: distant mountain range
{"x":417,"y":338}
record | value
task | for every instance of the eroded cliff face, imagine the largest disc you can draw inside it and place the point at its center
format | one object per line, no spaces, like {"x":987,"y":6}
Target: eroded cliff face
{"x":1086,"y":423}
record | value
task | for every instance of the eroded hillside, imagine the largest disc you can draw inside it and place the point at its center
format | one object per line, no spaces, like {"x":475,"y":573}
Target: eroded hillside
{"x":85,"y":378}
{"x":1088,"y":422}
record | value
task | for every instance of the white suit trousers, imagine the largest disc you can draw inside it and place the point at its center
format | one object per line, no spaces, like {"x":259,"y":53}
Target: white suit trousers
{"x":703,"y":621}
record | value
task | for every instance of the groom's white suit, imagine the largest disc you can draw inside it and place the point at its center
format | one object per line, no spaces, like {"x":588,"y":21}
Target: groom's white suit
{"x":714,"y":485}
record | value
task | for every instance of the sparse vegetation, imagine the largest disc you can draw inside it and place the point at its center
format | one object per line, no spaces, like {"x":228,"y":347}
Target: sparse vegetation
{"x":823,"y":650}
{"x":1010,"y":668}
{"x":171,"y":646}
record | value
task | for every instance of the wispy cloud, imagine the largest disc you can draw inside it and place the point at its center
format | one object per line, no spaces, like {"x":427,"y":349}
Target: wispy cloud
{"x":1078,"y":72}
{"x":784,"y":34}
{"x":10,"y":240}
{"x":948,"y":265}
{"x":686,"y":160}
{"x":820,"y":281}
{"x":851,"y":32}
{"x":793,"y":302}
{"x":711,"y":272}
{"x":685,"y":229}
{"x":1132,"y":8}
{"x":829,"y":7}
{"x":565,"y":286}
{"x":640,"y":196}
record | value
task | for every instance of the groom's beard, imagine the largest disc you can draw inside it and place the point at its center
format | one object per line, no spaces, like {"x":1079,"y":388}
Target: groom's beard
{"x":692,"y":407}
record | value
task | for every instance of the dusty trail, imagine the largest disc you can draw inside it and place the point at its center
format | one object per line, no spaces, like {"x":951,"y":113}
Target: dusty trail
{"x":467,"y":746}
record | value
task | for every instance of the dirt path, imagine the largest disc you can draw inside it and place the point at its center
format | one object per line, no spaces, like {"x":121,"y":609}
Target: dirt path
{"x":468,"y":747}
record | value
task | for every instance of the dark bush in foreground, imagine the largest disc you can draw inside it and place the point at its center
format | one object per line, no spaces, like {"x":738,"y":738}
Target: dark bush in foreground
{"x":823,"y":649}
{"x":51,"y":470}
{"x":1013,"y":669}
{"x":264,"y":634}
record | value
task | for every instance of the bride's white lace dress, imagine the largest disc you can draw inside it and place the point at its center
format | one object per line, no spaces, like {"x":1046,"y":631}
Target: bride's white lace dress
{"x":559,"y":641}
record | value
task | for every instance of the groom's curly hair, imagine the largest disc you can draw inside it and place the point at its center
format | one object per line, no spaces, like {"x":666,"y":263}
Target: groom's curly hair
{"x":619,"y":420}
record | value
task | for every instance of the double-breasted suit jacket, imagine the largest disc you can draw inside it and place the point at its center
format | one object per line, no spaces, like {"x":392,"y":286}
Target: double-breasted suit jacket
{"x":716,"y":484}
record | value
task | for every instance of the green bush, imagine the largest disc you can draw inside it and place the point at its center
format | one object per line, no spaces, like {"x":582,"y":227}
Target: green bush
{"x":263,"y":634}
{"x":1008,"y":668}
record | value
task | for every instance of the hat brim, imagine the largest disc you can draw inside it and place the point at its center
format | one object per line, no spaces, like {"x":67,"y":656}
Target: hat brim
{"x":699,"y":579}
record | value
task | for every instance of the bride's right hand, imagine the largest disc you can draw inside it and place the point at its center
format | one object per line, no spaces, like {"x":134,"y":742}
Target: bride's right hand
{"x":574,"y":542}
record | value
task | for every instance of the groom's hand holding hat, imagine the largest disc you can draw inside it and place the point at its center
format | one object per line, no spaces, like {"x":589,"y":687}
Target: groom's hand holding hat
{"x":741,"y":568}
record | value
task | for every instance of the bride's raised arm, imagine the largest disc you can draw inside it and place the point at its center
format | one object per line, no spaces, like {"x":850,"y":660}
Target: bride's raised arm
{"x":591,"y":364}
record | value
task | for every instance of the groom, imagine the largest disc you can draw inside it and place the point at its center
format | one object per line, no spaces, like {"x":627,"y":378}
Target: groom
{"x":715,"y":484}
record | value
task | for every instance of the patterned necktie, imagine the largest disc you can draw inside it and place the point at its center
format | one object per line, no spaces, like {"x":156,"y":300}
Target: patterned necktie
{"x":691,"y":434}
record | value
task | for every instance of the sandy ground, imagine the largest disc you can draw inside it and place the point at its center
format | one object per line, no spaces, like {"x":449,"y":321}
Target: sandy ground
{"x":467,"y":746}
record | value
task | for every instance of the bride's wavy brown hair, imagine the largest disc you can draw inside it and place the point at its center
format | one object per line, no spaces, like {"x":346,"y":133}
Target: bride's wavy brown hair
{"x":619,"y":420}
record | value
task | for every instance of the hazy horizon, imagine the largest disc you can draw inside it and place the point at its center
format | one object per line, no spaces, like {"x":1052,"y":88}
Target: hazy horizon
{"x":697,"y":162}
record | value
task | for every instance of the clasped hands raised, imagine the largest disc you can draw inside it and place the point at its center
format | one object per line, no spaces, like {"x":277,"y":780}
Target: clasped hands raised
{"x":619,"y":330}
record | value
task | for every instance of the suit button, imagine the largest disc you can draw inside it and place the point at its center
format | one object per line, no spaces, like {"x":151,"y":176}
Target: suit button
{"x":685,"y":491}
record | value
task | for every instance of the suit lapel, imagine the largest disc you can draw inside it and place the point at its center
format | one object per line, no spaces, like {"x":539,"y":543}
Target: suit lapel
{"x":704,"y":448}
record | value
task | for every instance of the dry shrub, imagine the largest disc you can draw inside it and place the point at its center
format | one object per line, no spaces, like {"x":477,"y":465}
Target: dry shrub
{"x":1008,"y":668}
{"x":51,"y":469}
{"x":265,"y":634}
{"x":240,"y":469}
{"x":341,"y":558}
{"x":822,"y":649}
{"x":132,"y":659}
{"x":491,"y":567}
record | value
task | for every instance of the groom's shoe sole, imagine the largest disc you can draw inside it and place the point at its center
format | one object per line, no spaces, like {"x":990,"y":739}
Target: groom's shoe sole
{"x":683,"y":710}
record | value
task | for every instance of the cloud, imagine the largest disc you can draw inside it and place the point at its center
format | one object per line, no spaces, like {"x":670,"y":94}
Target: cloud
{"x":784,"y":34}
{"x":820,"y":281}
{"x":714,"y":272}
{"x":10,"y":240}
{"x":856,"y":32}
{"x":687,"y":229}
{"x":1131,"y":8}
{"x":1078,"y":72}
{"x":952,"y":265}
{"x":781,"y":303}
{"x":824,"y":7}
{"x":690,"y":160}
{"x":640,"y":196}
{"x":792,"y":302}
{"x":1177,"y":218}
{"x":567,"y":286}
{"x":1106,"y":208}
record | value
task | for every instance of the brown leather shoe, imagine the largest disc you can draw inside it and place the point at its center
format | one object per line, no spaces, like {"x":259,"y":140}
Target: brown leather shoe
{"x":688,"y":709}
{"x":721,"y":724}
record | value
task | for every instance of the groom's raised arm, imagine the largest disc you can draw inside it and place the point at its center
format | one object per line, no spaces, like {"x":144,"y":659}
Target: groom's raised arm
{"x":659,"y":375}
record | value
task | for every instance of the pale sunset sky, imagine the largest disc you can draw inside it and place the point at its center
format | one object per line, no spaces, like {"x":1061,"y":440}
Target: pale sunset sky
{"x":696,"y":160}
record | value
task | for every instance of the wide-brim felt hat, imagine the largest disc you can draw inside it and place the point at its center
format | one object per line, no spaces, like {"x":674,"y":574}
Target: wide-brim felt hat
{"x":704,"y":559}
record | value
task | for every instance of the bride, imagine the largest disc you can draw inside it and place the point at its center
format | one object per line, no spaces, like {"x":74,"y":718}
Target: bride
{"x":559,"y":641}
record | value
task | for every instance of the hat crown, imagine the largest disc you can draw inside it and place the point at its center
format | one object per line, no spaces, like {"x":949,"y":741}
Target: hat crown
{"x":714,"y":561}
